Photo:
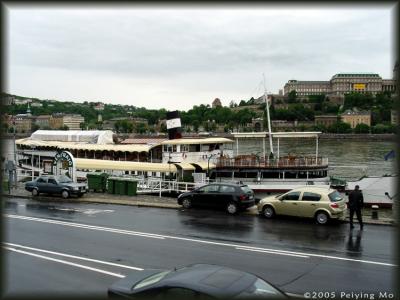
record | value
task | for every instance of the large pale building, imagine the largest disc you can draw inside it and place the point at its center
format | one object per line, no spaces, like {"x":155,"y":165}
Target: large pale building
{"x":73,"y":121}
{"x":341,"y":84}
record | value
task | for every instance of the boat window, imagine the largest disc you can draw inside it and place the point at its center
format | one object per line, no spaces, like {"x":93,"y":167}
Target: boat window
{"x":270,"y":174}
{"x":194,"y":148}
{"x":184,"y":148}
{"x":251,"y":175}
{"x":307,"y":196}
{"x":291,"y":196}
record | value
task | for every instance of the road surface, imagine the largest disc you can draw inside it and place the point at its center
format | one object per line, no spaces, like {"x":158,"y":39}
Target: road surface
{"x":80,"y":249}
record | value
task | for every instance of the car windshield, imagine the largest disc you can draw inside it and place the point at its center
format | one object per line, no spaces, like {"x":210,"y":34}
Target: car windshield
{"x":151,"y":280}
{"x":335,"y":196}
{"x":64,"y":179}
{"x":261,"y":289}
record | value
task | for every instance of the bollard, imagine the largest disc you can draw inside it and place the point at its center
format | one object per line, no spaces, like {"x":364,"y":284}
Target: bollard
{"x":374,"y":211}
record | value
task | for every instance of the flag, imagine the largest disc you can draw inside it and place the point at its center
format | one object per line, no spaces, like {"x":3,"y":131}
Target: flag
{"x":389,"y":155}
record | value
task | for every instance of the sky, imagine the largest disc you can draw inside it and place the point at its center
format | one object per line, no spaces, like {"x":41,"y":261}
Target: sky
{"x":175,"y":57}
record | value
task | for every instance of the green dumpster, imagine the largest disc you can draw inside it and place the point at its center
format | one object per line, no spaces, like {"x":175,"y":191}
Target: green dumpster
{"x":131,"y":187}
{"x":111,"y":185}
{"x":95,"y":182}
{"x":120,"y":187}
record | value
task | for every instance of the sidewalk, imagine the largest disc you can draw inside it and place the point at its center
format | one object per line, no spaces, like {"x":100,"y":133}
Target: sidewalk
{"x":385,"y":215}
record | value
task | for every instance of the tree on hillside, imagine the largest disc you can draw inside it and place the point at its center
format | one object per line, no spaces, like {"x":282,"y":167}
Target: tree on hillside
{"x":292,"y":97}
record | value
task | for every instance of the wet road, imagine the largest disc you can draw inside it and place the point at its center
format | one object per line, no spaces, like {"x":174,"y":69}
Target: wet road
{"x":83,"y":248}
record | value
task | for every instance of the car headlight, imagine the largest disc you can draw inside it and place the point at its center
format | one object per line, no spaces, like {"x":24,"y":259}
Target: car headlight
{"x":75,"y":188}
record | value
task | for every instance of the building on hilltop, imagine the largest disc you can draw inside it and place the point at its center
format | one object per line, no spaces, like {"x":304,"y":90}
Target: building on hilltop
{"x":341,"y":84}
{"x":43,"y":121}
{"x":216,"y":103}
{"x":72,"y":121}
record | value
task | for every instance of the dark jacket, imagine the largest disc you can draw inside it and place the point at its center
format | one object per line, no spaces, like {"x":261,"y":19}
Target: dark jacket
{"x":356,"y":200}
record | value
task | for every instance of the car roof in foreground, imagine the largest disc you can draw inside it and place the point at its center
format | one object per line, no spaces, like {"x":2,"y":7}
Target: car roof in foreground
{"x":213,"y":280}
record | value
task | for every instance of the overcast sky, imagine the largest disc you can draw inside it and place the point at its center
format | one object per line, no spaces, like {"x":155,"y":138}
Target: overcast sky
{"x":175,"y":57}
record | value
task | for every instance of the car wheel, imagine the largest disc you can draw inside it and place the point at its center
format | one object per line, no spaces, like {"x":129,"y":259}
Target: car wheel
{"x":268,"y":212}
{"x":65,"y":194}
{"x":186,"y":203}
{"x":35,"y":192}
{"x":232,"y":208}
{"x":322,"y":217}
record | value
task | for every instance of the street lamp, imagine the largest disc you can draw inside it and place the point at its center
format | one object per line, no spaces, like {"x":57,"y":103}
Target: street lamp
{"x":208,"y":164}
{"x":258,"y":160}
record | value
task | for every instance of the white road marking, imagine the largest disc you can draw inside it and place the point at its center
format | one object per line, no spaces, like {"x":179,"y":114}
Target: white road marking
{"x":271,"y":252}
{"x":73,"y":256}
{"x":65,"y":262}
{"x":100,"y":228}
{"x":151,"y":235}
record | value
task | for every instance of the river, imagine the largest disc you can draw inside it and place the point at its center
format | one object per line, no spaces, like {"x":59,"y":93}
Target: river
{"x":348,"y":159}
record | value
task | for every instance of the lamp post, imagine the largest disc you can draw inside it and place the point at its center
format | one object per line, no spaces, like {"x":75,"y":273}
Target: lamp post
{"x":208,"y":165}
{"x":258,"y":160}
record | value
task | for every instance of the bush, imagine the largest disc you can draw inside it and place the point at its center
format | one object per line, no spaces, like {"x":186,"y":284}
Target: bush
{"x":362,"y":128}
{"x":340,"y":127}
{"x":380,"y":128}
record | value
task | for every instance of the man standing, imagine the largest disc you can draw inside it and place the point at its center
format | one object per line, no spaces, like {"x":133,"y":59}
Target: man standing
{"x":356,"y":202}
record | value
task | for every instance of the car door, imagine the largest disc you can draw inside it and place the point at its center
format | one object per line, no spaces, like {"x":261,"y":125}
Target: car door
{"x":308,"y":204}
{"x":41,"y":184}
{"x":210,"y":197}
{"x":289,"y":204}
{"x":226,"y":195}
{"x":200,"y":196}
{"x":53,"y":186}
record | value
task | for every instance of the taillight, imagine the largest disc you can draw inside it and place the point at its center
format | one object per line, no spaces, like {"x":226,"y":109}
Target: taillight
{"x":334,"y":205}
{"x":242,"y":197}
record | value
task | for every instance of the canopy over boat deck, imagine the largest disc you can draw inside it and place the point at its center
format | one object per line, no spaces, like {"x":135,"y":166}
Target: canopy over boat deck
{"x":278,"y":135}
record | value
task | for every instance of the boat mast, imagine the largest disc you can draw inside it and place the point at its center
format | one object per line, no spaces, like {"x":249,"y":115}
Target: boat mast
{"x":268,"y":120}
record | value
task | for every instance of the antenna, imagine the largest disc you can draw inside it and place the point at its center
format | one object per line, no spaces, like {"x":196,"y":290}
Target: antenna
{"x":268,"y":119}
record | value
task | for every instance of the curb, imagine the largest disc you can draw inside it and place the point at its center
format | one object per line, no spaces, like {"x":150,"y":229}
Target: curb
{"x":157,"y":205}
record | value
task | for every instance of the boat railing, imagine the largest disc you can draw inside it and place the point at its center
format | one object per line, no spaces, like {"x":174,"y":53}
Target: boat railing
{"x":286,"y":161}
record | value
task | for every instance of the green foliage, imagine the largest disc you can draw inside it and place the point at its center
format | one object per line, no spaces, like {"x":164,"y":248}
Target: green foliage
{"x":381,"y":128}
{"x":292,"y":97}
{"x":339,"y":127}
{"x":361,"y":128}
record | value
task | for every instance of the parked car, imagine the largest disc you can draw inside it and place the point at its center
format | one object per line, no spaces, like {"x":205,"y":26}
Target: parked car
{"x":198,"y":281}
{"x":232,"y":197}
{"x":320,"y":203}
{"x":50,"y":184}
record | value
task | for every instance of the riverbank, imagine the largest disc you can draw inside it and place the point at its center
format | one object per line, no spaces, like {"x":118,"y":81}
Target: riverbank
{"x":385,"y":215}
{"x":327,"y":136}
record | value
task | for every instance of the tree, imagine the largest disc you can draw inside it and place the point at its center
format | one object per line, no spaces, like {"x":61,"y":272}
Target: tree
{"x":292,"y":97}
{"x":242,"y":103}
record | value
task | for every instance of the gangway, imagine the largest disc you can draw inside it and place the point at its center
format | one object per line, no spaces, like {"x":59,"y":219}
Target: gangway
{"x":153,"y":185}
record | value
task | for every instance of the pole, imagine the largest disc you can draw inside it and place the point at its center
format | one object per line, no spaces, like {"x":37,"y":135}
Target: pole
{"x":268,"y":118}
{"x":316,"y":151}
